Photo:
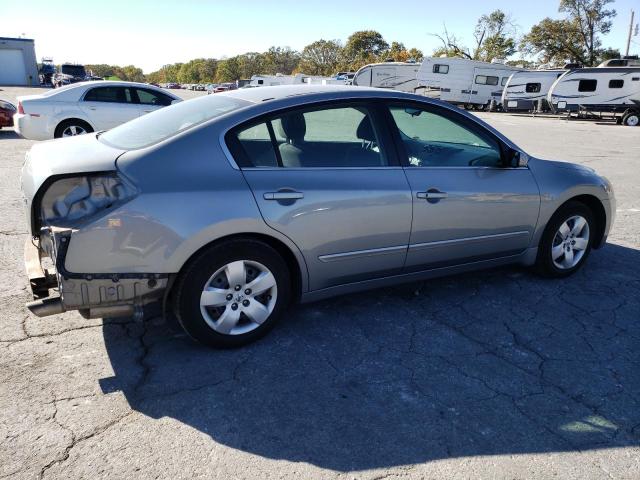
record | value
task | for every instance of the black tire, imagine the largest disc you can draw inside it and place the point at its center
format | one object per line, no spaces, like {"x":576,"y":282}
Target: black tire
{"x":71,"y":123}
{"x":631,"y":119}
{"x":192,"y":280}
{"x":545,"y":265}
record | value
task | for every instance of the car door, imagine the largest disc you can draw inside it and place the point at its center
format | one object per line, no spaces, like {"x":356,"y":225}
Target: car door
{"x":150,"y":100}
{"x":467,"y":204}
{"x":324,"y":177}
{"x":109,"y":106}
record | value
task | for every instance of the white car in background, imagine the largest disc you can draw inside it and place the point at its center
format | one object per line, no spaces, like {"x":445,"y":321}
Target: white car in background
{"x":86,"y":107}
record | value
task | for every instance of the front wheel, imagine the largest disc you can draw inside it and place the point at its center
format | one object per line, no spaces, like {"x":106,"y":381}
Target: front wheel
{"x":631,"y":119}
{"x":232,"y":293}
{"x":566,"y":242}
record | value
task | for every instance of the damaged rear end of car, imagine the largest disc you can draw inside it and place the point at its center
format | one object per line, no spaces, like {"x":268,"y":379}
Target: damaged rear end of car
{"x":66,"y":193}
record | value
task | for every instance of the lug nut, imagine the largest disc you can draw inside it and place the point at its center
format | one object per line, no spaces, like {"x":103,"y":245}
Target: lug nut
{"x":237,"y":288}
{"x":247,"y":291}
{"x":234,"y":306}
{"x":245,"y":303}
{"x":229,"y":296}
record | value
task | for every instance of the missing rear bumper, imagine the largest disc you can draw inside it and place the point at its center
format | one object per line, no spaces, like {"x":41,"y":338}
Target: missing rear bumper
{"x":95,"y":295}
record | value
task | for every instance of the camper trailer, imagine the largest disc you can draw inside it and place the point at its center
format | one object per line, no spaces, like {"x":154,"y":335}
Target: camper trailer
{"x":628,"y":61}
{"x":298,"y":79}
{"x":599,"y":89}
{"x":524,"y":90}
{"x":394,"y":75}
{"x":464,"y":82}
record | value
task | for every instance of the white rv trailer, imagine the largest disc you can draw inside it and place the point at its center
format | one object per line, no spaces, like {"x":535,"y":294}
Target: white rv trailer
{"x":599,"y":89}
{"x":298,"y":79}
{"x":524,"y":89}
{"x":463,"y":81}
{"x":394,"y":75}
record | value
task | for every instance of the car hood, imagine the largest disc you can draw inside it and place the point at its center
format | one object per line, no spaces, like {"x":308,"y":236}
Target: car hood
{"x":64,"y":156}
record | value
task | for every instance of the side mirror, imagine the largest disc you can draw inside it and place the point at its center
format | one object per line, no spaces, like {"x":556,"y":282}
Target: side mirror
{"x":518,"y":158}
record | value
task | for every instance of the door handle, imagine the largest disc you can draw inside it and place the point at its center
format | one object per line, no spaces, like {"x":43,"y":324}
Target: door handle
{"x":432,"y":194}
{"x":283,"y":195}
{"x":148,"y":111}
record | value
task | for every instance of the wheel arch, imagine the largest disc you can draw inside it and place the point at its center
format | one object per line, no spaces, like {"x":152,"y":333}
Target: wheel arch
{"x":76,"y":118}
{"x":296,"y":266}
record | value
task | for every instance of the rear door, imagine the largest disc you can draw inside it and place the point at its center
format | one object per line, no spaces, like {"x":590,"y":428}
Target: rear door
{"x":468,"y":206}
{"x":324,"y":177}
{"x":109,"y":106}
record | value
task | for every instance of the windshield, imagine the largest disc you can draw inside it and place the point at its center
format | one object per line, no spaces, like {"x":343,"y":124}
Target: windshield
{"x":166,"y":122}
{"x":74,"y":70}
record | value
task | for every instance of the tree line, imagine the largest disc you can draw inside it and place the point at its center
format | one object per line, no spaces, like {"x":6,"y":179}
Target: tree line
{"x":574,"y":37}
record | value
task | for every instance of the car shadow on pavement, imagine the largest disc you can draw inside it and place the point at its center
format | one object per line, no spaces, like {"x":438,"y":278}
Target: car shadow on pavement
{"x":496,"y":362}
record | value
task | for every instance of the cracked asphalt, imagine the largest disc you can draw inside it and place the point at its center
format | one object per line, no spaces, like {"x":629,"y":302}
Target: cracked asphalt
{"x":497,"y":374}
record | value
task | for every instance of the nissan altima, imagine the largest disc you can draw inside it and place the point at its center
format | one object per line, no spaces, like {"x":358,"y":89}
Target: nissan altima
{"x":225,"y":208}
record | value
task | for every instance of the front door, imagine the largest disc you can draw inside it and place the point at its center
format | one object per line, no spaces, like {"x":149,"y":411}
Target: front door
{"x":324,"y":178}
{"x":468,"y":206}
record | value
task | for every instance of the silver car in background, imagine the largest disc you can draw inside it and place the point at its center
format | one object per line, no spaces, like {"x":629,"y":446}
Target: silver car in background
{"x":227,"y":207}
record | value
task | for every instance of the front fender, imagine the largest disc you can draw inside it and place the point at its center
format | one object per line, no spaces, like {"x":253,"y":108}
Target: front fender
{"x":560,"y":182}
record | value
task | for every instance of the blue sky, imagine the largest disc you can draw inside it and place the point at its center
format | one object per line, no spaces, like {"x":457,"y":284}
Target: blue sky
{"x":151,"y":33}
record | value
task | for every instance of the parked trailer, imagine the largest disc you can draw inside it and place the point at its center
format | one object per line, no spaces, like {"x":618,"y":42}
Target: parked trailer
{"x":394,"y":75}
{"x":524,"y":90}
{"x":298,"y":79}
{"x":601,"y":89}
{"x":464,"y":82}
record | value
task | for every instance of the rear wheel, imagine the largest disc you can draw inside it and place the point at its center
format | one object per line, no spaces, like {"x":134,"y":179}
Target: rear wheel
{"x":566,"y":242}
{"x":71,"y":128}
{"x":232,"y":293}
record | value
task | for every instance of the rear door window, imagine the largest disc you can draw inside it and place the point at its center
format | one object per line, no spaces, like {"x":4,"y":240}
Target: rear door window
{"x":109,"y":95}
{"x":327,"y":137}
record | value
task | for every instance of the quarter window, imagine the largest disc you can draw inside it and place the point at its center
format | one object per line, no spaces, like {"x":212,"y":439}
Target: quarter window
{"x":532,"y":87}
{"x":327,"y":137}
{"x":109,"y":94}
{"x":616,"y":83}
{"x":587,"y":85}
{"x":433,"y":139}
{"x":439,"y":68}
{"x":486,"y":80}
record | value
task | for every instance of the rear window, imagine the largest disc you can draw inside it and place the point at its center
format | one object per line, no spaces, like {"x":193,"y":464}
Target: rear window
{"x":439,"y":68}
{"x":166,"y":122}
{"x":75,"y":70}
{"x":616,"y":83}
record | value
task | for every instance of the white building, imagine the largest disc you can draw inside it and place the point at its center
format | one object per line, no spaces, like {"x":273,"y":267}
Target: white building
{"x":18,"y":64}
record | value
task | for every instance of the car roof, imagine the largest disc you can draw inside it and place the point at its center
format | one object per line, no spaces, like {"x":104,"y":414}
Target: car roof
{"x":281,"y":92}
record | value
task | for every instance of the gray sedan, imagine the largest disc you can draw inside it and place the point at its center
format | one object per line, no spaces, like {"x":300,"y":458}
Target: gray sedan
{"x":225,"y":208}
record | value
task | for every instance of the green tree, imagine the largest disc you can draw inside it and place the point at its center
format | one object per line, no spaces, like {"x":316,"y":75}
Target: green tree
{"x":250,"y":64}
{"x":495,"y":36}
{"x":399,"y":53}
{"x":591,"y":19}
{"x":363,"y":47}
{"x":576,"y":37}
{"x":229,"y":70}
{"x":280,"y":60}
{"x":320,"y":57}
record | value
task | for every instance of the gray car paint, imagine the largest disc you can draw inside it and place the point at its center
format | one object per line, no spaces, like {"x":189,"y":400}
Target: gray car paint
{"x":192,"y":193}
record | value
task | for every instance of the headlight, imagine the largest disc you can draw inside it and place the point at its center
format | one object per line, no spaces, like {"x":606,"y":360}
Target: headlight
{"x":70,"y":200}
